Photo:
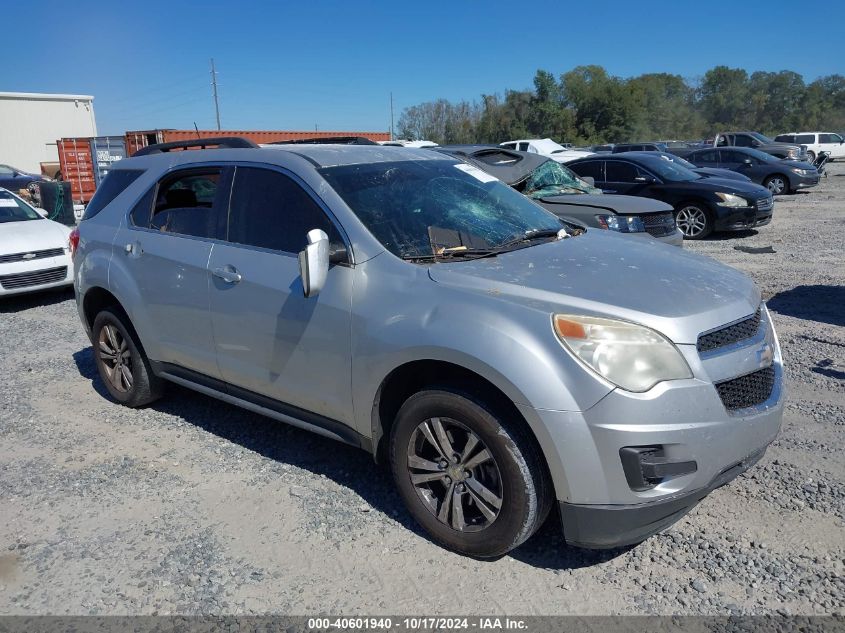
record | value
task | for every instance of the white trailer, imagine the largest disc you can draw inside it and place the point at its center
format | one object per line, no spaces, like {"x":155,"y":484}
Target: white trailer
{"x":30,"y":124}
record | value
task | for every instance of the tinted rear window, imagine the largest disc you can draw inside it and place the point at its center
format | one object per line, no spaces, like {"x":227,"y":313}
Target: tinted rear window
{"x":112,"y":186}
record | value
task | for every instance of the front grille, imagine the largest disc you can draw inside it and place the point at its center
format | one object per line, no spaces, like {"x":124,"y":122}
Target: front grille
{"x":729,"y":335}
{"x":659,"y":224}
{"x":765,"y":204}
{"x":34,"y":278}
{"x":746,"y":391}
{"x":21,"y":257}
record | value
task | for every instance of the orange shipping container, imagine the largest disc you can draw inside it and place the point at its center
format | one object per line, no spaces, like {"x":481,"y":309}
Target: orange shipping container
{"x":77,"y":167}
{"x":143,"y":138}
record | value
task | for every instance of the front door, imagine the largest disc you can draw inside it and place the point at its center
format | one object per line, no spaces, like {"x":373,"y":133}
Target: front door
{"x":271,"y":339}
{"x":166,"y":248}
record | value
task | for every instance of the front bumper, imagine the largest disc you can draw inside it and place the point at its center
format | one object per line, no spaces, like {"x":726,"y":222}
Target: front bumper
{"x":35,"y":275}
{"x":734,"y":218}
{"x":608,"y":526}
{"x":803,"y":182}
{"x":687,"y":419}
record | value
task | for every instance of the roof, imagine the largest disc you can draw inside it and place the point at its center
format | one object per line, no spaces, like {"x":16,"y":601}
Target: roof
{"x":335,"y":155}
{"x":44,"y":96}
{"x":508,"y":165}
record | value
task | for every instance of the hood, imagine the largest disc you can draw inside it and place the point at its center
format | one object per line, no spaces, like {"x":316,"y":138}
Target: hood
{"x":797,"y":164}
{"x":32,"y":235}
{"x":678,"y":293}
{"x":721,"y":173}
{"x":731,"y":185}
{"x":627,"y":205}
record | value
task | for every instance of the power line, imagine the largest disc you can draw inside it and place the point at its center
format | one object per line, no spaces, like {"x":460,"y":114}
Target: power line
{"x":214,"y":91}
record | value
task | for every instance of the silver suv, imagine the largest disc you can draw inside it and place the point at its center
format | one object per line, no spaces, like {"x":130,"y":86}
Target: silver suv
{"x":501,"y":361}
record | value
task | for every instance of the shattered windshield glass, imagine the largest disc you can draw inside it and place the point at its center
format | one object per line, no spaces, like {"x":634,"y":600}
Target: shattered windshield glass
{"x":418,"y":209}
{"x":553,"y":179}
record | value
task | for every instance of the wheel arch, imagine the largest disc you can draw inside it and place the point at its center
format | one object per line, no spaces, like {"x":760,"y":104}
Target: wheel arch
{"x":417,"y":375}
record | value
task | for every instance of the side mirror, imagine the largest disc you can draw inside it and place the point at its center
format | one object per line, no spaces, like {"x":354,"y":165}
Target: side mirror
{"x":748,"y":162}
{"x":42,"y":212}
{"x":589,"y":180}
{"x":314,"y":263}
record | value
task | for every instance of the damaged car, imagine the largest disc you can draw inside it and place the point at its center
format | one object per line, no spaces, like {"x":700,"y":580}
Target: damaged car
{"x":561,"y":191}
{"x":503,"y":363}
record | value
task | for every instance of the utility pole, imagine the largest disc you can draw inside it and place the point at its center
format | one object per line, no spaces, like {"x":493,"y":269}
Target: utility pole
{"x":214,"y":92}
{"x":391,"y":116}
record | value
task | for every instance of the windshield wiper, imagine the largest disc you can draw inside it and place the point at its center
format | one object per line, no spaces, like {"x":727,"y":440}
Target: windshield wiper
{"x":451,"y":253}
{"x":533,"y":234}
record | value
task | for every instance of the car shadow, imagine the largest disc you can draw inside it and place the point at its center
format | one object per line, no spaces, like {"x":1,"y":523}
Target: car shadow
{"x":347,"y":466}
{"x":828,"y":368}
{"x":813,"y":303}
{"x":721,"y":236}
{"x":21,"y":303}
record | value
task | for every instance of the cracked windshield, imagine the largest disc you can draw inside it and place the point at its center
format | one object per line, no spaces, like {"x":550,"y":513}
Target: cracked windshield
{"x":553,"y":179}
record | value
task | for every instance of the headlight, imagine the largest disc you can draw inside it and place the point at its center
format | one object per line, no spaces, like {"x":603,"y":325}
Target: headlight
{"x":621,"y":223}
{"x":631,"y":356}
{"x":805,"y":172}
{"x":731,"y":200}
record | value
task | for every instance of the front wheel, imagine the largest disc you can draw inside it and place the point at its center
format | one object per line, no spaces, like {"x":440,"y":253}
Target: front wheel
{"x":474,"y":480}
{"x":777,"y":184}
{"x":694,"y":221}
{"x":811,"y":156}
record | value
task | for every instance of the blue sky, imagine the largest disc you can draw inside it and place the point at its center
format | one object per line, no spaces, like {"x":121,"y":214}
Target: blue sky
{"x":294,"y":65}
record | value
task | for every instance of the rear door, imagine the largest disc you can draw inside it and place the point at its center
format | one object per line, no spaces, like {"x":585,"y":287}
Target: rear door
{"x":707,"y":158}
{"x":832,"y":144}
{"x":731,"y":159}
{"x":621,"y":177}
{"x":270,"y":339}
{"x":167,"y":245}
{"x":590,"y":169}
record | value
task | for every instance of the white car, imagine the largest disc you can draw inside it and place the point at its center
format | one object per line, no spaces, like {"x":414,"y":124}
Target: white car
{"x":547,"y":147}
{"x":817,"y":142}
{"x":34,"y":251}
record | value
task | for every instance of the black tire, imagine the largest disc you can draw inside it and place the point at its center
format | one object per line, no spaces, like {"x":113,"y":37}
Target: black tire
{"x":111,"y":330}
{"x":515,"y":465}
{"x":771,"y":183}
{"x":694,"y":219}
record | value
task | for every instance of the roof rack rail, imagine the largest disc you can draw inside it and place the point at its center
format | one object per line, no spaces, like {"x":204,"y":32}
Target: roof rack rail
{"x":328,"y":140}
{"x":220,"y":142}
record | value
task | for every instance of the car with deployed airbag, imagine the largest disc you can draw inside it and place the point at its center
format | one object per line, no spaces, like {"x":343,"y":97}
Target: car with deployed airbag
{"x":504,"y":362}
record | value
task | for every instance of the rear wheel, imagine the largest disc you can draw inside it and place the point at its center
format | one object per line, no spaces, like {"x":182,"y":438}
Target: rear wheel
{"x":122,"y":364}
{"x":811,"y":156}
{"x":777,"y":184}
{"x":694,"y":220}
{"x":474,"y":480}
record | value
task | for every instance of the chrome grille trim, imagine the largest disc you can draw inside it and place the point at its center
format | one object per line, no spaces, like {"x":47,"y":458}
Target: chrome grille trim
{"x":20,"y":257}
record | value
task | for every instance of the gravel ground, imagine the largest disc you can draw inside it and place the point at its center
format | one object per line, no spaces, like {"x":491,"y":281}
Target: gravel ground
{"x":192,"y":506}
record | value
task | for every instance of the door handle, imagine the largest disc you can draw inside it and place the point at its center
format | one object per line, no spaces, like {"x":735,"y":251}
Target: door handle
{"x":227,"y":274}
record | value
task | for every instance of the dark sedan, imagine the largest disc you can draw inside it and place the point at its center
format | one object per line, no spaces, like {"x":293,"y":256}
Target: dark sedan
{"x":560,"y":191}
{"x":15,"y":179}
{"x":777,"y":175}
{"x":705,"y":171}
{"x":702,"y":204}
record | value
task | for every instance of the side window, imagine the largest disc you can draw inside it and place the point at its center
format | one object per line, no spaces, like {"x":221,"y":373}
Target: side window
{"x":785,"y":138}
{"x":115,"y":182}
{"x":509,"y":145}
{"x":187,"y":203}
{"x":591,"y":169}
{"x":828,"y":138}
{"x":743,"y":140}
{"x":142,"y":210}
{"x":5,"y":170}
{"x":618,"y":171}
{"x":271,"y":210}
{"x":705,"y":157}
{"x":523,"y":147}
{"x":806,"y":139}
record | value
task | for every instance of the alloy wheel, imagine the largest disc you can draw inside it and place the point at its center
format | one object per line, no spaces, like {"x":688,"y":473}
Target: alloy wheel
{"x":692,"y":221}
{"x":776,"y":185}
{"x":454,"y":474}
{"x":115,"y":357}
